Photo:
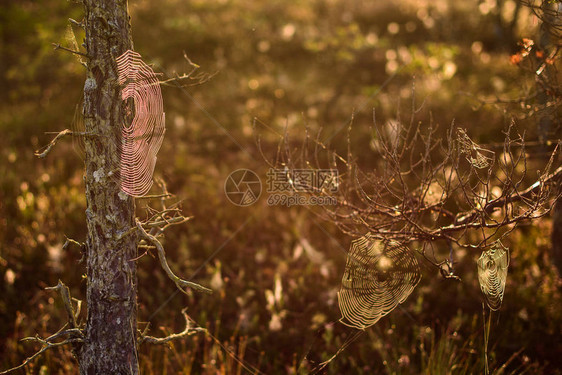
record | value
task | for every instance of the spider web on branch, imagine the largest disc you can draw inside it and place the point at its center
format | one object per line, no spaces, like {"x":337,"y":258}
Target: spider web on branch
{"x":492,"y":274}
{"x":378,"y":276}
{"x":477,"y":156}
{"x":142,"y":136}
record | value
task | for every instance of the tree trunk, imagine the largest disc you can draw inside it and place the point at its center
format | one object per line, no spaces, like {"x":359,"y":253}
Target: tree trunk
{"x":546,"y":126}
{"x":110,"y":344}
{"x":556,"y":236}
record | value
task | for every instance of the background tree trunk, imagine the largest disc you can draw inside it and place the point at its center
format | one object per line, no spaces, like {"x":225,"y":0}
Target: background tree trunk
{"x":546,"y":122}
{"x":110,"y":345}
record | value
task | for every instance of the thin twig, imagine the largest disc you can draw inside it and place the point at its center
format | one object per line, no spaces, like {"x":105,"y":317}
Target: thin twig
{"x":167,"y":195}
{"x":197,"y":79}
{"x":515,"y":197}
{"x":58,"y":46}
{"x":70,"y":241}
{"x":173,"y":220}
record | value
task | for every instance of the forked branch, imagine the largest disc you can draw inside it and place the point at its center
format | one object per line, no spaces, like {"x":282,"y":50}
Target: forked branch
{"x":180,"y":283}
{"x":46,"y":346}
{"x":188,"y":331}
{"x":192,"y":78}
{"x":67,"y":301}
{"x":73,"y":335}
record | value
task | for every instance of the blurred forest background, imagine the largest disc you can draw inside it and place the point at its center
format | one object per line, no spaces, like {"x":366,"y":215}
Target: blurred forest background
{"x":275,"y":270}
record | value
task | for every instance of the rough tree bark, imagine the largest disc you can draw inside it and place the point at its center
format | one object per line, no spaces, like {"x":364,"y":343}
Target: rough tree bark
{"x":110,"y":337}
{"x":545,"y":124}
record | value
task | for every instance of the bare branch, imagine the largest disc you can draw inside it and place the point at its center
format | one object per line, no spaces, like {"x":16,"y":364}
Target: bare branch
{"x":188,"y":331}
{"x":155,"y":196}
{"x":70,"y":241}
{"x":425,"y":189}
{"x":192,"y":78}
{"x":180,"y":283}
{"x":67,"y":301}
{"x":166,"y":222}
{"x":51,"y":144}
{"x":76,"y":23}
{"x":515,"y":197}
{"x":58,"y":46}
{"x":75,"y":337}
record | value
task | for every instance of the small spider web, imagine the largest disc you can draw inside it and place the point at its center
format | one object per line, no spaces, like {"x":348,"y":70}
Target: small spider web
{"x":378,"y":276}
{"x":492,"y":274}
{"x":477,"y":156}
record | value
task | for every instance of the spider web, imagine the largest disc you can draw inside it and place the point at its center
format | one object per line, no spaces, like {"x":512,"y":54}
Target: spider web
{"x":378,"y":276}
{"x":78,"y":129}
{"x":492,"y":273}
{"x":477,"y":156}
{"x":142,"y":136}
